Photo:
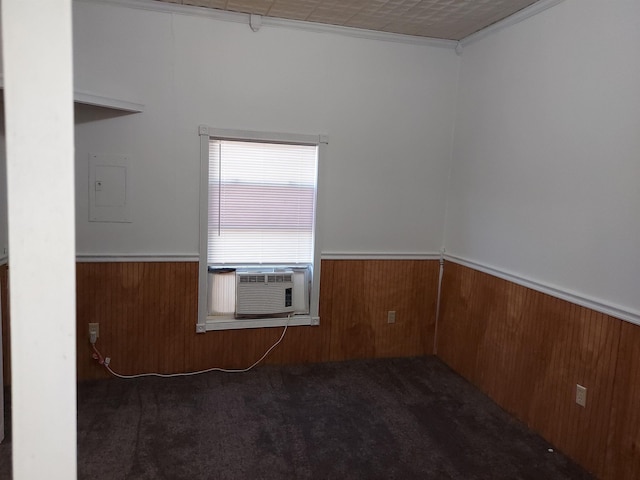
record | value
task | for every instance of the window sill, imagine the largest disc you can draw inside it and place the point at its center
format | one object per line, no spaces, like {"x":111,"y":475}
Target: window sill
{"x":230,"y":323}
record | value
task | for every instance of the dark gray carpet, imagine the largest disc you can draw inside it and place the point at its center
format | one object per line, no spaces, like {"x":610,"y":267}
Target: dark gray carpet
{"x":375,"y":419}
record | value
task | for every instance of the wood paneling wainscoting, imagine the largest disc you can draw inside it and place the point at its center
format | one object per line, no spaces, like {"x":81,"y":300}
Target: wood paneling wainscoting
{"x":143,"y":309}
{"x":6,"y":347}
{"x":528,"y":350}
{"x":623,"y":446}
{"x":357,"y":296}
{"x":147,"y":313}
{"x":148,"y":310}
{"x":525,"y":349}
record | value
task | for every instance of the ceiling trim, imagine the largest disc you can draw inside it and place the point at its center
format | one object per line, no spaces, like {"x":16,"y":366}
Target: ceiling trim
{"x":517,"y":17}
{"x":245,"y":18}
{"x":359,"y":33}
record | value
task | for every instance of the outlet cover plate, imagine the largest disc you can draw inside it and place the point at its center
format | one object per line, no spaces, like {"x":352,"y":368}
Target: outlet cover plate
{"x":581,"y":395}
{"x":94,"y":327}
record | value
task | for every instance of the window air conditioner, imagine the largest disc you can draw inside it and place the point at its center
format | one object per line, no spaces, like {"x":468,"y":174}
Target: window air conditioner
{"x":264,"y":293}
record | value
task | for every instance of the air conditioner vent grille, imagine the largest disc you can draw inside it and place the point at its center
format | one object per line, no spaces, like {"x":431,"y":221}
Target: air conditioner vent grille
{"x":251,"y":278}
{"x":264,"y":293}
{"x":279,"y":278}
{"x":271,"y":278}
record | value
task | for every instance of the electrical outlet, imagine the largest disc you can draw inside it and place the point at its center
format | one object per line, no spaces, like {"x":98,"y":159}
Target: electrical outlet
{"x":581,"y":395}
{"x":94,"y":332}
{"x":391,"y":316}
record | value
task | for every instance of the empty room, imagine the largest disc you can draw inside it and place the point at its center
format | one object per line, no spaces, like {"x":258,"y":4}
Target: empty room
{"x":320,"y":239}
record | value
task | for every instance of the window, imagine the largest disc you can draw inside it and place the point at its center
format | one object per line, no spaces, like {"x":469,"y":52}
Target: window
{"x":258,"y":255}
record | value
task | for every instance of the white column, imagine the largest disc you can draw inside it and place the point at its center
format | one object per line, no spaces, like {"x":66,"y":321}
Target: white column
{"x":37,"y":49}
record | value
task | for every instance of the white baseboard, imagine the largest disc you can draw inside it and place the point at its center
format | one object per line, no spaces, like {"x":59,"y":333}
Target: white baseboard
{"x":598,"y":305}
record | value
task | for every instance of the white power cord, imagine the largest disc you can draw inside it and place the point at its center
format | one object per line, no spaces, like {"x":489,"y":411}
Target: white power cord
{"x":107,"y":360}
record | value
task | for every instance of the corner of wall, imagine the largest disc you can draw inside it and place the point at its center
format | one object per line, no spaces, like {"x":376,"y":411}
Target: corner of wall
{"x":451,"y":160}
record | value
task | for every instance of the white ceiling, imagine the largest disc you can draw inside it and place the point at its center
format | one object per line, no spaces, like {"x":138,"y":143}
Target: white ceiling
{"x":445,"y":19}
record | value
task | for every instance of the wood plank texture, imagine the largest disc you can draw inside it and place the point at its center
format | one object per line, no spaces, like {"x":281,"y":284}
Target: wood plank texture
{"x":6,"y":344}
{"x":528,"y":350}
{"x":623,"y":452}
{"x":142,"y":309}
{"x":147,"y":314}
{"x":365,"y":290}
{"x":525,"y":349}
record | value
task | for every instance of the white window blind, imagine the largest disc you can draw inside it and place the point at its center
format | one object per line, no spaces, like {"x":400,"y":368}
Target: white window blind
{"x":261,"y":202}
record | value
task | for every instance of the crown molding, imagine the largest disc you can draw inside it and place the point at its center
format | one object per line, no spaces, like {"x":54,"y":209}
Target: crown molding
{"x":245,"y":18}
{"x":534,"y":9}
{"x":617,"y":311}
{"x":360,"y":33}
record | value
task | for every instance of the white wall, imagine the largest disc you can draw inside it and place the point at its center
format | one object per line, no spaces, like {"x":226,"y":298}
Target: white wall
{"x":546,"y":159}
{"x":387,"y":108}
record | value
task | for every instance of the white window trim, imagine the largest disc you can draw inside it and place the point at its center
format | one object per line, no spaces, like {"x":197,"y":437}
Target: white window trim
{"x":206,"y":324}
